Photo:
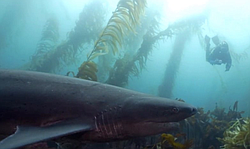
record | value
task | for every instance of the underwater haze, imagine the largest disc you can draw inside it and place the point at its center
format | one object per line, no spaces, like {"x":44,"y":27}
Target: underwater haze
{"x":195,"y":80}
{"x":164,"y":48}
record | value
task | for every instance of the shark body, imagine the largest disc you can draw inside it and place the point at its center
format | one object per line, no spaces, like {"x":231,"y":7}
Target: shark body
{"x":35,"y":107}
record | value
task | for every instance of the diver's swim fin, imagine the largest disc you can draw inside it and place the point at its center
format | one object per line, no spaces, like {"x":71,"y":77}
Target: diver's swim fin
{"x":216,"y":40}
{"x":207,"y":39}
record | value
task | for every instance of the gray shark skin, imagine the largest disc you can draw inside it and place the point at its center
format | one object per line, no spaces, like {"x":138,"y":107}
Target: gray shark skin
{"x":35,"y":107}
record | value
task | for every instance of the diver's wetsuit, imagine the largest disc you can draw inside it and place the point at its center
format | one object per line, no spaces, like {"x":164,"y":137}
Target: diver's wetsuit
{"x":219,"y":55}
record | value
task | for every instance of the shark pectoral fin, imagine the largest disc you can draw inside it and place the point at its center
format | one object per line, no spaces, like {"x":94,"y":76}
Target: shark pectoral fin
{"x":29,"y":135}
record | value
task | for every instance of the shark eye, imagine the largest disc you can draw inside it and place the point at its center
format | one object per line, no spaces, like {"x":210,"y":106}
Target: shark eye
{"x":175,"y":110}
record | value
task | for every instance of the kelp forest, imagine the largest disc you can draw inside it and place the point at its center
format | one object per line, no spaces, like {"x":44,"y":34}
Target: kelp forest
{"x":118,"y":47}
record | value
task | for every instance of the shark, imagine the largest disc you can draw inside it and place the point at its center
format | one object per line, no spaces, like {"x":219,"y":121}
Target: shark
{"x":37,"y":107}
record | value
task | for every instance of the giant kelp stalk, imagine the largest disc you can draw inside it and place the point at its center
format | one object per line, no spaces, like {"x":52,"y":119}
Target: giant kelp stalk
{"x":11,"y":21}
{"x":86,"y":31}
{"x":165,"y":89}
{"x":123,"y":21}
{"x":184,"y":28}
{"x":47,"y":43}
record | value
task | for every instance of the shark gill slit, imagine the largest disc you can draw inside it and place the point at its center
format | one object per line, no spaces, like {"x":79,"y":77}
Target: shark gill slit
{"x":107,"y":125}
{"x":102,"y":126}
{"x":113,"y":116}
{"x":96,"y":125}
{"x":99,"y":128}
{"x":117,"y":123}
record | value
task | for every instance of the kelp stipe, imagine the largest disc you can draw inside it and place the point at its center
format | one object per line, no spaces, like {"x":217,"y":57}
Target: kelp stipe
{"x":184,"y":29}
{"x":165,"y":89}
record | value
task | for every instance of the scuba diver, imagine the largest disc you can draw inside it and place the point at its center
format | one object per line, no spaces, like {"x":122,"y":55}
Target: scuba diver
{"x":219,"y":54}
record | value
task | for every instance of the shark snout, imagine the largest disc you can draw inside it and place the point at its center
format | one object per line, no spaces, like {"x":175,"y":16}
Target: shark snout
{"x":193,"y":110}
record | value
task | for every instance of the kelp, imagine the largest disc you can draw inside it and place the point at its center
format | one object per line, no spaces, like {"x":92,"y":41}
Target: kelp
{"x":166,"y":87}
{"x":133,"y":64}
{"x":104,"y":64}
{"x":130,"y":44}
{"x":86,"y":31}
{"x":123,"y":21}
{"x":206,"y":127}
{"x":89,"y":25}
{"x":88,"y":71}
{"x":171,"y":140}
{"x":119,"y":74}
{"x":47,"y":43}
{"x":184,"y":28}
{"x":237,"y":136}
{"x":193,"y":24}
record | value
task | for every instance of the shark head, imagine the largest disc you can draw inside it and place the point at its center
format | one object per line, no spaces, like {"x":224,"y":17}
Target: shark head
{"x":158,"y":110}
{"x":139,"y":116}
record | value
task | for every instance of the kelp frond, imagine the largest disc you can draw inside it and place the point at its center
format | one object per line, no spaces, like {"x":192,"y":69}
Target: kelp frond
{"x":193,"y":24}
{"x":133,"y":64}
{"x":88,"y":26}
{"x":206,"y":127}
{"x":87,"y":71}
{"x":118,"y":76}
{"x":86,"y":30}
{"x":50,"y":35}
{"x":170,"y":139}
{"x":238,"y":135}
{"x":124,"y":20}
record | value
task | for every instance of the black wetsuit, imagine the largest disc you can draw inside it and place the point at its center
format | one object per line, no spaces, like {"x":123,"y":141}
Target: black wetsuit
{"x":219,"y":55}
